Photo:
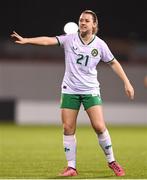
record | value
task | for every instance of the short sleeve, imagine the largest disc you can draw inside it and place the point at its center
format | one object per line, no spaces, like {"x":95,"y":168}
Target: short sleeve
{"x":61,"y":39}
{"x":106,"y":54}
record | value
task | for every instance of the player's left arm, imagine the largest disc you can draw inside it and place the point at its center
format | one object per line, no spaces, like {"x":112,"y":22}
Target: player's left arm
{"x":117,"y":68}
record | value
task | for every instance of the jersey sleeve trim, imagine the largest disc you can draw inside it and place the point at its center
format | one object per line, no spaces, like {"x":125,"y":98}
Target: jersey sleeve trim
{"x":59,"y":44}
{"x":110,"y":61}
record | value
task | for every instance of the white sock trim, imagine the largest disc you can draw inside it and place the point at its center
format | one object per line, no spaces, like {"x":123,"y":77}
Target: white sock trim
{"x":69,"y":137}
{"x":103,"y":135}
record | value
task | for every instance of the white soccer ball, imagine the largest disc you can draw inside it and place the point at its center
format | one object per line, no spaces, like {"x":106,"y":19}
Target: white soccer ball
{"x":71,"y":27}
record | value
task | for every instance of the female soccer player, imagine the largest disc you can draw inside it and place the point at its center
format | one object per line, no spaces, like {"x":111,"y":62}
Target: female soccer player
{"x":83,"y":51}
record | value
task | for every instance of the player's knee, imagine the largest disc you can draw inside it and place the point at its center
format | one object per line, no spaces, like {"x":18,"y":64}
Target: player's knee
{"x":100,"y":128}
{"x":68,"y":128}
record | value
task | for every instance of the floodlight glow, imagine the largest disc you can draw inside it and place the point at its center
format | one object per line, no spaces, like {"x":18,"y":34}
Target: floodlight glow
{"x":70,"y":27}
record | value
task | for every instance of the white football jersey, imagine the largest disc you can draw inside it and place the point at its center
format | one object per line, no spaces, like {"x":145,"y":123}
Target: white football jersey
{"x":80,"y":63}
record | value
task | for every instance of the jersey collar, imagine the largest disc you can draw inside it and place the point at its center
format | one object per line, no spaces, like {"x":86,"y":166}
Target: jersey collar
{"x":83,"y":41}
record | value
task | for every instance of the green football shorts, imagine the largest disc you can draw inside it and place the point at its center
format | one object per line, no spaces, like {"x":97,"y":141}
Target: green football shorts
{"x":74,"y":101}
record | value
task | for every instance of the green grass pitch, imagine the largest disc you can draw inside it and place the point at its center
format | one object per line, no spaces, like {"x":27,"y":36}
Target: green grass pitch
{"x":36,"y":152}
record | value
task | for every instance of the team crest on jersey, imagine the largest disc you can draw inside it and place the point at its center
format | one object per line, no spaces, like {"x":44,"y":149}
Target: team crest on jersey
{"x":94,"y":52}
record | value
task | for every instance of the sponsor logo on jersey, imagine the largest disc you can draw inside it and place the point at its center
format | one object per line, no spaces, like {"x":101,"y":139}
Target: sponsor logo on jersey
{"x":64,"y":87}
{"x":74,"y":48}
{"x":94,"y":52}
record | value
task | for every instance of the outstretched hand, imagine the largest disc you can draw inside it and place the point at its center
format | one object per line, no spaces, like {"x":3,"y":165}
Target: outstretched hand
{"x":18,"y":39}
{"x":129,"y":91}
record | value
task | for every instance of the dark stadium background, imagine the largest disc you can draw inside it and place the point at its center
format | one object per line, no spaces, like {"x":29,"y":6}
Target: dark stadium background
{"x":123,"y":19}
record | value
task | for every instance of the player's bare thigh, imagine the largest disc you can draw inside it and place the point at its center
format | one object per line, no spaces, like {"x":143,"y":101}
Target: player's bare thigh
{"x":69,"y":118}
{"x":95,"y":114}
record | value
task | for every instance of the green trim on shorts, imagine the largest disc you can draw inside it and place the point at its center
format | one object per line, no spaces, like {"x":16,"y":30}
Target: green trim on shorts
{"x":74,"y":101}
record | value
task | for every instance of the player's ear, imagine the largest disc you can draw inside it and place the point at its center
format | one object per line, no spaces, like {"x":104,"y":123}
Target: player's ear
{"x":95,"y":24}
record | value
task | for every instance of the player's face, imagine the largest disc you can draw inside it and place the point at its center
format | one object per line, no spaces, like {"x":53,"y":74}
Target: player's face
{"x":86,"y":23}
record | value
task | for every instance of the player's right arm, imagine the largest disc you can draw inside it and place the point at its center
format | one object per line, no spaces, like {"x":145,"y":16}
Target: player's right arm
{"x":43,"y":40}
